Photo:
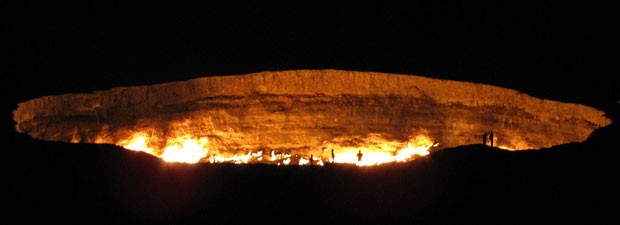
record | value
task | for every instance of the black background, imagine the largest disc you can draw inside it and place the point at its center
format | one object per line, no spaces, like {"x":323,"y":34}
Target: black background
{"x":556,"y":50}
{"x":562,"y":51}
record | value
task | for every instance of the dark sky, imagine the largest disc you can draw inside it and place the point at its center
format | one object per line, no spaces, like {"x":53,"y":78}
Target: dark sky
{"x":536,"y":48}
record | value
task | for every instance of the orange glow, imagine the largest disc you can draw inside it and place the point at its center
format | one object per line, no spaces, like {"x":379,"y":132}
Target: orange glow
{"x":138,"y":142}
{"x":516,"y":144}
{"x":185,"y":149}
{"x":386,"y":153}
{"x":286,"y":161}
{"x":303,"y":161}
{"x":75,"y":138}
{"x":515,"y":147}
{"x":376,"y":151}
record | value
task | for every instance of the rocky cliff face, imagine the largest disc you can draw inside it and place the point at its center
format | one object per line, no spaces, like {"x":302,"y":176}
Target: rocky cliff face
{"x":308,"y":110}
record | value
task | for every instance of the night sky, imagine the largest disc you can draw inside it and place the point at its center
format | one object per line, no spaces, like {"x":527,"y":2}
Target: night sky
{"x":535,"y":48}
{"x":554,"y":50}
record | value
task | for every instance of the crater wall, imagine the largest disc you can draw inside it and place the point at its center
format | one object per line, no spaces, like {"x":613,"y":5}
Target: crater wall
{"x":309,"y":109}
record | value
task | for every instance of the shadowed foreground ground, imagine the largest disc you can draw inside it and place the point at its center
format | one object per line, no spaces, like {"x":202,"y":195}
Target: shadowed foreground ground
{"x":91,"y":183}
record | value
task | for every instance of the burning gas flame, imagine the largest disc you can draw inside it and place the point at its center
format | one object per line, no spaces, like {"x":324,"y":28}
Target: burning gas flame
{"x":417,"y":146}
{"x":138,"y":142}
{"x":517,"y":143}
{"x":185,"y":149}
{"x":188,"y":149}
{"x":303,"y":161}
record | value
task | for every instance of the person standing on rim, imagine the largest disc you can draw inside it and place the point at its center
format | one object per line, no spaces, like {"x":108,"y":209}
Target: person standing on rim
{"x":333,"y":156}
{"x":484,"y":138}
{"x":491,"y":138}
{"x":359,"y":156}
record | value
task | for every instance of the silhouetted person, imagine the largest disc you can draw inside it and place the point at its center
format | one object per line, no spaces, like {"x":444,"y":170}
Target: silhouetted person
{"x":359,"y":156}
{"x":333,"y":156}
{"x":311,"y":160}
{"x":484,"y":139}
{"x":491,"y":138}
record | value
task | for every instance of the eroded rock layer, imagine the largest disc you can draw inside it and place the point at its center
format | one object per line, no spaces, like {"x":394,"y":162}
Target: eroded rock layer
{"x":308,"y":110}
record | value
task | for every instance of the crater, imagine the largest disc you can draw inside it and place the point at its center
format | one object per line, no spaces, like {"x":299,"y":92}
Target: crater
{"x":300,"y":116}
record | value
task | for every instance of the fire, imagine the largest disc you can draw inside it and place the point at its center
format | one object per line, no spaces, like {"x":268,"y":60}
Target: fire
{"x":319,"y":162}
{"x":286,"y":161}
{"x":375,"y":151}
{"x":417,"y":146}
{"x":185,"y":149}
{"x":180,"y":149}
{"x":515,"y":144}
{"x":138,"y":142}
{"x":303,"y":161}
{"x":515,"y":147}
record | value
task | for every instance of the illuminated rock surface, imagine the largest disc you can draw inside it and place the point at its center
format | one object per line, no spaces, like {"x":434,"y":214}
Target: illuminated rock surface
{"x":305,"y":110}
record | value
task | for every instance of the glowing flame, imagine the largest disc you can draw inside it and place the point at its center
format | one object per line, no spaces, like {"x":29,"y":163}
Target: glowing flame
{"x":421,"y":146}
{"x":320,"y":162}
{"x":286,"y":161}
{"x":185,"y":149}
{"x":516,"y":143}
{"x":273,"y":156}
{"x":138,"y":142}
{"x":376,"y":151}
{"x":515,"y":147}
{"x":417,"y":146}
{"x":75,"y":138}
